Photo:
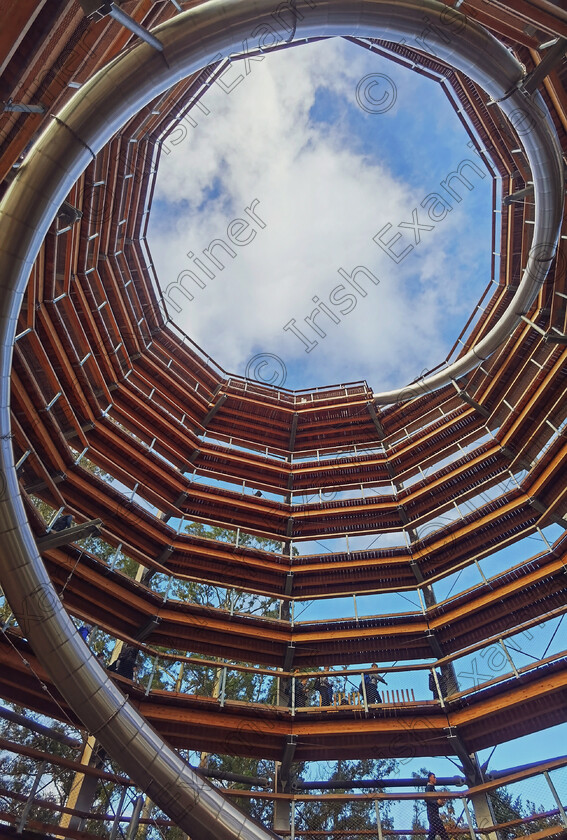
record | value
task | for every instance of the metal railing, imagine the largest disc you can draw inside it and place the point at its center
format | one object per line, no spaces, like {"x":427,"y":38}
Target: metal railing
{"x":376,"y":815}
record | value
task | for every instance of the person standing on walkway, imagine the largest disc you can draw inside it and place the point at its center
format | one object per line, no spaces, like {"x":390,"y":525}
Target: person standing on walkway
{"x":436,"y":826}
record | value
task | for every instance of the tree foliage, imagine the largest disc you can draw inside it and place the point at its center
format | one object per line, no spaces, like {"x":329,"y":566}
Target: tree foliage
{"x":509,"y":808}
{"x":19,"y":772}
{"x":190,"y":677}
{"x":336,"y":814}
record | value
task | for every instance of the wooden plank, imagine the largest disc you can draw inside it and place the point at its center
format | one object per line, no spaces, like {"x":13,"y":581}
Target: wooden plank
{"x":16,"y":18}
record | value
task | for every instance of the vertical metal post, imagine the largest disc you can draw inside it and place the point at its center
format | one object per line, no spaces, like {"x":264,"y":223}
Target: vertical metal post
{"x":116,"y":822}
{"x":29,"y":801}
{"x":438,"y":687}
{"x":222,"y":694}
{"x":508,"y":657}
{"x":292,"y":826}
{"x":116,"y":555}
{"x":135,"y":818}
{"x":477,"y":564}
{"x":544,"y":538}
{"x":54,"y":518}
{"x":364,"y":698}
{"x":378,"y":820}
{"x":293,"y":696}
{"x":556,"y":797}
{"x":355,"y":609}
{"x":80,"y":457}
{"x":179,"y":678}
{"x":469,"y":819}
{"x":150,"y":679}
{"x":167,"y":588}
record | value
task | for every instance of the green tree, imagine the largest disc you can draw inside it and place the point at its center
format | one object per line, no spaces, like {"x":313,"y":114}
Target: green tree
{"x":508,"y":808}
{"x":192,"y":678}
{"x":340,"y":815}
{"x":221,"y":597}
{"x":18,"y":772}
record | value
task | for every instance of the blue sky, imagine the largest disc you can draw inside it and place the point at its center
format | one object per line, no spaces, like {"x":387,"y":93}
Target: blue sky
{"x":327,"y":176}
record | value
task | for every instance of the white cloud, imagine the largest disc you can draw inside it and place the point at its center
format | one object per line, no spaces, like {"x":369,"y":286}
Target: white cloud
{"x":322,"y":198}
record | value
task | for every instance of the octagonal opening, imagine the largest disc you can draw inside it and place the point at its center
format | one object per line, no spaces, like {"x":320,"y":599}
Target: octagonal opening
{"x":321,"y":215}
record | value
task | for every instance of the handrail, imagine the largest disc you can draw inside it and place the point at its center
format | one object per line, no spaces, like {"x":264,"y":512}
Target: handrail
{"x":98,"y":109}
{"x":396,"y":697}
{"x":377,"y":797}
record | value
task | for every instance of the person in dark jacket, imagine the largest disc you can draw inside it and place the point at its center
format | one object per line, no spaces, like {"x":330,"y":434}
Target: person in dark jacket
{"x":126,"y":662}
{"x":325,"y":688}
{"x":436,"y":826}
{"x":62,"y":523}
{"x":301,"y":695}
{"x":371,"y":680}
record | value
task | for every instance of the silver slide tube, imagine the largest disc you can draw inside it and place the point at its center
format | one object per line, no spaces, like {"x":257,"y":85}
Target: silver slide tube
{"x":191,"y":41}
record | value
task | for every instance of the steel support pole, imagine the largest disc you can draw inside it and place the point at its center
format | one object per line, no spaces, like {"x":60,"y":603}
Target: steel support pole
{"x":29,"y":801}
{"x":378,"y":820}
{"x":116,"y":822}
{"x":469,"y":820}
{"x":556,"y":797}
{"x":135,"y":818}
